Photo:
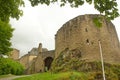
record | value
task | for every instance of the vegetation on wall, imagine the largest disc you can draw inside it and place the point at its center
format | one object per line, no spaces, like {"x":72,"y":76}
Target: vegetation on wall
{"x":70,"y":60}
{"x":9,"y":66}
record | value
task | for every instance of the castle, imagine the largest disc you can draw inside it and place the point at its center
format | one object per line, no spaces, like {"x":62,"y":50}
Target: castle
{"x":79,"y":35}
{"x":37,"y":60}
{"x":14,"y":54}
{"x":83,"y":35}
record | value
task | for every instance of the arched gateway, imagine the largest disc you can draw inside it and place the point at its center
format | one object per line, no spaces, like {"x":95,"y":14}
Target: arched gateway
{"x":47,"y":63}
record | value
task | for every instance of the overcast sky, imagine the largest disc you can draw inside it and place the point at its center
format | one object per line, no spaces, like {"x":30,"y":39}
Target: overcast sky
{"x":39,"y":24}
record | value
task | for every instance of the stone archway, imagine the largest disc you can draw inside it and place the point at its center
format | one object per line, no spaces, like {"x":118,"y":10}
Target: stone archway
{"x":47,"y":63}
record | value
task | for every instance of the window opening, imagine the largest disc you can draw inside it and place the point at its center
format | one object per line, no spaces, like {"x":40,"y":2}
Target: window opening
{"x":87,"y":41}
{"x":86,"y":29}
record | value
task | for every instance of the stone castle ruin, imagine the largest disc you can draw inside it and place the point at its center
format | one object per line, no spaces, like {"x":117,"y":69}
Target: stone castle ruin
{"x":80,"y":37}
{"x":14,"y":54}
{"x":37,"y":60}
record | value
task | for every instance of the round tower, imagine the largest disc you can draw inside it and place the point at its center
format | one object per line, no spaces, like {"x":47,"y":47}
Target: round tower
{"x":82,"y":34}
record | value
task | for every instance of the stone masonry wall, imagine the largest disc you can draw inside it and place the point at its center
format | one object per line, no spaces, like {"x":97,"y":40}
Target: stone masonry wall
{"x":24,"y":60}
{"x":14,"y":54}
{"x":82,"y":34}
{"x":38,"y":63}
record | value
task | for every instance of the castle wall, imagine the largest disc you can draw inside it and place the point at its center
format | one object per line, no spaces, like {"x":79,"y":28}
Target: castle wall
{"x":81,"y":33}
{"x":34,"y":61}
{"x":14,"y":54}
{"x":34,"y":52}
{"x":31,"y":58}
{"x":39,"y":63}
{"x":36,"y":64}
{"x":24,"y":60}
{"x":48,"y":54}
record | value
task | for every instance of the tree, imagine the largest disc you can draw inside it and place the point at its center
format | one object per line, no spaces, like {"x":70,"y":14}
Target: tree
{"x":105,"y":7}
{"x":8,"y":8}
{"x":5,"y":35}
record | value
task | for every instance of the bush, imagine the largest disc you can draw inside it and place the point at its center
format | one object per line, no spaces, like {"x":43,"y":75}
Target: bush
{"x":9,"y":66}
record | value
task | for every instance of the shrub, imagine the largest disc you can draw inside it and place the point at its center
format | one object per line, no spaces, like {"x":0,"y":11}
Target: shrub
{"x":9,"y":66}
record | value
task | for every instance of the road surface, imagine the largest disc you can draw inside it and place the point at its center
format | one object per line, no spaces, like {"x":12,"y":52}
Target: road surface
{"x":13,"y":77}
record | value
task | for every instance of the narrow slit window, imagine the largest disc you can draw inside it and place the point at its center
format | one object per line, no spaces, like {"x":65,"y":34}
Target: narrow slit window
{"x":87,"y":41}
{"x":86,"y":29}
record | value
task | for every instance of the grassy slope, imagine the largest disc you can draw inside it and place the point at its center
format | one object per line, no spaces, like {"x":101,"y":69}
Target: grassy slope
{"x":55,"y":76}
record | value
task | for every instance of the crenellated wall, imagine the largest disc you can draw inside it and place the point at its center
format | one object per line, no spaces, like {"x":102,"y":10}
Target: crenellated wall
{"x":81,"y":33}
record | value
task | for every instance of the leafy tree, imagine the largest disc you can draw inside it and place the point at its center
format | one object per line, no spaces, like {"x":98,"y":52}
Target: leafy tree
{"x":5,"y":35}
{"x":105,"y":7}
{"x":8,"y":8}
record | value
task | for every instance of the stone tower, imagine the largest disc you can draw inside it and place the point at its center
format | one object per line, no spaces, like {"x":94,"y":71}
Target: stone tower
{"x":82,"y":34}
{"x":40,"y":48}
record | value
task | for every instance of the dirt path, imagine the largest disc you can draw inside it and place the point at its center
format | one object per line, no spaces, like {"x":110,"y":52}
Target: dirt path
{"x":13,"y":77}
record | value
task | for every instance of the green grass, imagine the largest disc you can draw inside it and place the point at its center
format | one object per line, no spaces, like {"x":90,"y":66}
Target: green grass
{"x":5,"y":76}
{"x":55,"y":76}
